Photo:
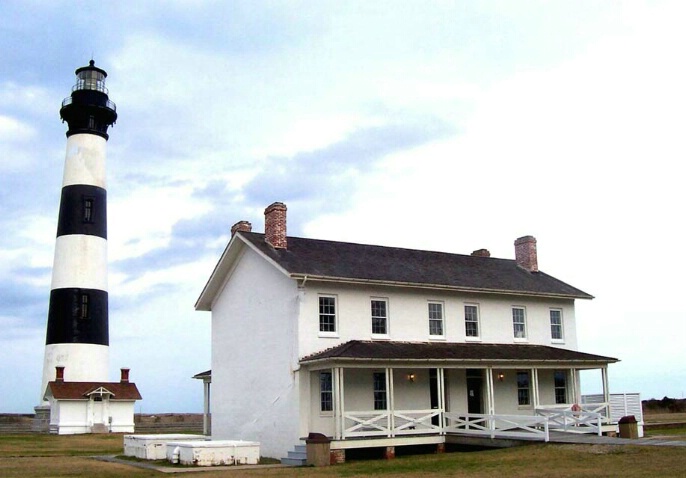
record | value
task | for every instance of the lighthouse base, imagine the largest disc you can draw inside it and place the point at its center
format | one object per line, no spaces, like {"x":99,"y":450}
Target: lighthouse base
{"x":41,"y":419}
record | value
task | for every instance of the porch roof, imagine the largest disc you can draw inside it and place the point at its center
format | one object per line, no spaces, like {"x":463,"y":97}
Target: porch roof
{"x":361,"y":350}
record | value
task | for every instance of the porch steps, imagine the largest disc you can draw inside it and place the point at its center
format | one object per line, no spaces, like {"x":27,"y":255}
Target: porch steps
{"x":297,"y":457}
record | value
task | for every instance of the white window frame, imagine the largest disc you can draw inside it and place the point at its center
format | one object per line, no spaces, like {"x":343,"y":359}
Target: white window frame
{"x":564,"y":388}
{"x":442,"y":320}
{"x":328,"y":392}
{"x":380,"y":395}
{"x":376,"y":335}
{"x":327,"y":333}
{"x":527,"y":388}
{"x":524,"y":336}
{"x":561,"y":325}
{"x":476,"y":337}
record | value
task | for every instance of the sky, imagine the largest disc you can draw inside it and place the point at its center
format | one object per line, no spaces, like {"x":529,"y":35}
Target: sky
{"x":437,"y":125}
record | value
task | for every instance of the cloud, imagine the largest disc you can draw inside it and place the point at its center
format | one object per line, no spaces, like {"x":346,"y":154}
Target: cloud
{"x":328,"y":175}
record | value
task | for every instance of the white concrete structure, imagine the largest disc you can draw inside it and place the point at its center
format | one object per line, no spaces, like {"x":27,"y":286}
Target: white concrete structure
{"x":154,"y":447}
{"x":213,"y":453}
{"x":384,"y":345}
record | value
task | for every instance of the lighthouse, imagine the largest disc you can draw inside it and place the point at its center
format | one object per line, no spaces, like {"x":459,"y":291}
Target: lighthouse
{"x":77,"y":339}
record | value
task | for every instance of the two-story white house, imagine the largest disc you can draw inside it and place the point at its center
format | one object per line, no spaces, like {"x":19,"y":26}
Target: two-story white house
{"x":383,"y":346}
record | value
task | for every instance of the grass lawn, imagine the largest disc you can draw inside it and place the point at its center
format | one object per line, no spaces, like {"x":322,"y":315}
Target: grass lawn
{"x":61,"y":456}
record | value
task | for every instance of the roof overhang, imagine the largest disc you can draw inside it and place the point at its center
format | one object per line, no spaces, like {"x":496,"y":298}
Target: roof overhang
{"x":414,"y":285}
{"x":224,"y":269}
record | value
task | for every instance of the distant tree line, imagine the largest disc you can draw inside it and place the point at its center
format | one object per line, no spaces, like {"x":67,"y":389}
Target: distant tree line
{"x":666,"y":404}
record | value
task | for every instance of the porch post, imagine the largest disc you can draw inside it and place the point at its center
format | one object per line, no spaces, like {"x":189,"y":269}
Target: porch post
{"x":575,"y":386}
{"x":339,"y":421}
{"x":206,"y":409}
{"x":534,"y":387}
{"x":490,"y":399}
{"x":606,"y":385}
{"x":441,"y":397}
{"x":391,"y":402}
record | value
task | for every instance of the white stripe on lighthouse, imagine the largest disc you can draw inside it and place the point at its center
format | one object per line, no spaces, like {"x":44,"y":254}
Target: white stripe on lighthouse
{"x":80,"y":262}
{"x":85,"y":160}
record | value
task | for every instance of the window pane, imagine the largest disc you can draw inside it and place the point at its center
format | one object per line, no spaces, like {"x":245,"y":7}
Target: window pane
{"x":518,"y":323}
{"x":523,"y":388}
{"x":560,"y":386}
{"x":379,"y":317}
{"x":327,"y":314}
{"x":326,"y":391}
{"x":435,"y":319}
{"x":471,"y":319}
{"x":556,"y":324}
{"x":379,"y":391}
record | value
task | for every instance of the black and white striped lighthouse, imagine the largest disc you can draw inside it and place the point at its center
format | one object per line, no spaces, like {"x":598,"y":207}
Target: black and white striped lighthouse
{"x":77,"y":333}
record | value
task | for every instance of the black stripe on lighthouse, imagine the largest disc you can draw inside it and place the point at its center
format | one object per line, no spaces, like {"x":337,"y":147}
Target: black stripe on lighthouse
{"x":78,"y":316}
{"x":83,"y":210}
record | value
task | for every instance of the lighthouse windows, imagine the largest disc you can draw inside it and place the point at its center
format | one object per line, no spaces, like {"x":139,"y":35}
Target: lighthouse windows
{"x":88,"y":209}
{"x":83,"y":310}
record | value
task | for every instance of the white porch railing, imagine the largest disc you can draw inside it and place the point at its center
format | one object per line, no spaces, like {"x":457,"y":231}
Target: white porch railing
{"x":366,"y":423}
{"x":383,"y":423}
{"x":580,"y":419}
{"x":501,"y":426}
{"x":412,"y":422}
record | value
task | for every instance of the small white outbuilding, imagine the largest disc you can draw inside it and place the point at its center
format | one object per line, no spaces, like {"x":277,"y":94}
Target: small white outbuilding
{"x":91,"y":407}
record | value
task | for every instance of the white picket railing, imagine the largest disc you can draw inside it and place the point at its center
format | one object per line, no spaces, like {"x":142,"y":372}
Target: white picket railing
{"x":574,"y":420}
{"x":411,"y":422}
{"x":383,"y":423}
{"x":366,"y":424}
{"x":497,"y":426}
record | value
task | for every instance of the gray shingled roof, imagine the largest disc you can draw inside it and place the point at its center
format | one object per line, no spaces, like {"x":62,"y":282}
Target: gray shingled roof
{"x":360,"y":262}
{"x":458,"y":352}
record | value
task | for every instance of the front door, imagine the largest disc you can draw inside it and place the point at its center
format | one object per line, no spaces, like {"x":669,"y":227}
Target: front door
{"x":475,"y":382}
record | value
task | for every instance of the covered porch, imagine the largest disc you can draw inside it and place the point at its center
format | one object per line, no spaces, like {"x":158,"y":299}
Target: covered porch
{"x":413,"y":392}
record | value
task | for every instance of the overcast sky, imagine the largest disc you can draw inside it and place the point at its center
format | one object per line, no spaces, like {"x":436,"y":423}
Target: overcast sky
{"x":441,"y":125}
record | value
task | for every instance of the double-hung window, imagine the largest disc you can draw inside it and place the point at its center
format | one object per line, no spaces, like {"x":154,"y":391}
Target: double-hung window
{"x":327,"y":314}
{"x":519,"y":322}
{"x":380,"y":395}
{"x":523,"y":388}
{"x":379,"y":316}
{"x":560,"y":386}
{"x":325,"y":391}
{"x":556,"y":332}
{"x":471,"y":320}
{"x":436,"y":319}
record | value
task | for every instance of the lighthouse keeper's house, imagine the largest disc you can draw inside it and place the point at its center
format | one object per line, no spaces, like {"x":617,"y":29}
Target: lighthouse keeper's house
{"x":382,"y":346}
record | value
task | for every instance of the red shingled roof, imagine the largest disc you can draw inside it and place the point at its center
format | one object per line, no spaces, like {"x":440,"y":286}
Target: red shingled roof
{"x":80,"y":390}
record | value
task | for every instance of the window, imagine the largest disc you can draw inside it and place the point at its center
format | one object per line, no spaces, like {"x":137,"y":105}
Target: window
{"x":379,"y":390}
{"x":556,"y":324}
{"x":325,"y":392}
{"x":327,"y":314}
{"x":83,"y":308}
{"x":471,"y":320}
{"x":88,"y":209}
{"x":435,"y":318}
{"x":560,"y":386}
{"x":519,"y":322}
{"x":523,"y":391}
{"x":379,"y":317}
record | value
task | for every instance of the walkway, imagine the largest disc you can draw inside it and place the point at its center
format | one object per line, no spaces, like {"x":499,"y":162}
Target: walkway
{"x":587,"y":438}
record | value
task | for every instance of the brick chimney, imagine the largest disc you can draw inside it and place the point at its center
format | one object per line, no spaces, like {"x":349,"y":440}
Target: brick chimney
{"x":525,"y":253}
{"x":124,"y":375}
{"x":59,"y":374}
{"x":243,"y":226}
{"x":275,"y":225}
{"x":481,"y":253}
